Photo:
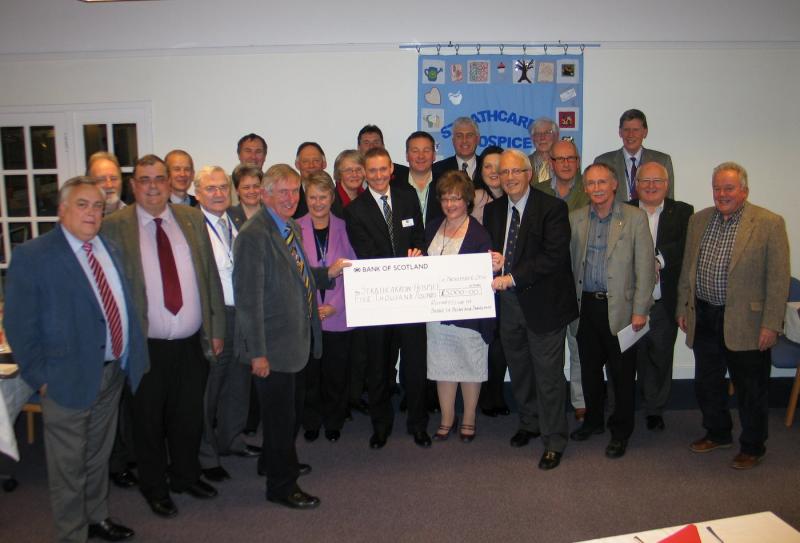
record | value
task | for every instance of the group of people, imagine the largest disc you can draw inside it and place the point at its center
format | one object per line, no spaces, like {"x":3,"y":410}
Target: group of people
{"x":145,"y":326}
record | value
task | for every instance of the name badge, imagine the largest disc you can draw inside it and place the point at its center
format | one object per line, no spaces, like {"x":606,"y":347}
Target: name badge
{"x":407,"y":222}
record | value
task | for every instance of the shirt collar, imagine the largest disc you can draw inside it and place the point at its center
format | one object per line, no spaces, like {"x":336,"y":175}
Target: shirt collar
{"x":213,"y":219}
{"x":279,"y":222}
{"x":145,"y":217}
{"x":659,"y":209}
{"x":628,"y":156}
{"x":75,"y":244}
{"x":377,"y":195}
{"x":520,"y":205}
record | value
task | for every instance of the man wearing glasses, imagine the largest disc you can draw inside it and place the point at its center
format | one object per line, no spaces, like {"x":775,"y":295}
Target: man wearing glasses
{"x":668,"y":221}
{"x":544,"y":134}
{"x":531,"y":230}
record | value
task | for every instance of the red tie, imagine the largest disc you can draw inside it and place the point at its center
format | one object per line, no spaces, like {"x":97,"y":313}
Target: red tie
{"x":173,"y":300}
{"x":109,"y":303}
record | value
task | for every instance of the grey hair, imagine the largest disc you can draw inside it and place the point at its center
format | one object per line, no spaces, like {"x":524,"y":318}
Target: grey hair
{"x":469,"y":121}
{"x":206,"y":171}
{"x":519,"y":155}
{"x":541,"y":121}
{"x":735,"y":167}
{"x":276,"y":173}
{"x":66,"y":188}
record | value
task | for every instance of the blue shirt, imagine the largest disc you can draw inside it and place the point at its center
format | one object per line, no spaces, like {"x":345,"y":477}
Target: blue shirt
{"x":595,"y":273}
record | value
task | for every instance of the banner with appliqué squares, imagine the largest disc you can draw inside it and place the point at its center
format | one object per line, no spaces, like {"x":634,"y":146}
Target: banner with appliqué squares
{"x":504,"y":94}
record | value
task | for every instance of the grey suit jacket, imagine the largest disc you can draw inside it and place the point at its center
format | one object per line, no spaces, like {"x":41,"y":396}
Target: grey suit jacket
{"x":758,"y":276}
{"x":271,"y":307}
{"x":616,"y":159}
{"x":630,"y":262}
{"x":122,"y":227}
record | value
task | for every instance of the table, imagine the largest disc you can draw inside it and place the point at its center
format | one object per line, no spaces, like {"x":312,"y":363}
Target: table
{"x":756,"y":528}
{"x":791,"y":326}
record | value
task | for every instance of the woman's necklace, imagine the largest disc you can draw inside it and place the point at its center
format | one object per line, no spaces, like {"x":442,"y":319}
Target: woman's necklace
{"x":445,"y":239}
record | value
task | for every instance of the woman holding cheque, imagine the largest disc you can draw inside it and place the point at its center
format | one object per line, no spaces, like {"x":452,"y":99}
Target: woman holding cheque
{"x":457,"y":350}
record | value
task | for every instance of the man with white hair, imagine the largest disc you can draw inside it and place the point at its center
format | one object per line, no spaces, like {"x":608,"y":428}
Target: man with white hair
{"x":466,"y":137}
{"x":104,"y":167}
{"x":544,"y":133}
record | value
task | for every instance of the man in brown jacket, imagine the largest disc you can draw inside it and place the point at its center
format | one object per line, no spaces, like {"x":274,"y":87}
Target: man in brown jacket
{"x":731,"y":301}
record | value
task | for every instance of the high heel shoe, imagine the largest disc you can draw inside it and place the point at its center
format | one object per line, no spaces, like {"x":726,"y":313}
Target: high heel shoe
{"x":444,"y":431}
{"x":467,"y":437}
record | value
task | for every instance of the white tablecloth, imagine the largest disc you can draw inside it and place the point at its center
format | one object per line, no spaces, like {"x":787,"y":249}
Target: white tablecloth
{"x":791,"y":326}
{"x":14,"y":393}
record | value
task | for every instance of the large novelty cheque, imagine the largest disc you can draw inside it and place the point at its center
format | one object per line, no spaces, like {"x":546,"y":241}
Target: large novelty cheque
{"x":420,"y":289}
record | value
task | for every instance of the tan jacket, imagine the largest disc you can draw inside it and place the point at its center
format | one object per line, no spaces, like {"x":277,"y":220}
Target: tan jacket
{"x":758,"y":277}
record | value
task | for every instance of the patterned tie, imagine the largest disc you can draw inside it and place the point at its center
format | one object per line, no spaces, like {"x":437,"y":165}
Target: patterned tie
{"x":226,"y":232}
{"x":288,"y":235}
{"x":464,"y":168}
{"x":634,"y":195}
{"x":109,"y":303}
{"x":387,"y":214}
{"x":511,"y":241}
{"x":170,"y":282}
{"x":544,"y":171}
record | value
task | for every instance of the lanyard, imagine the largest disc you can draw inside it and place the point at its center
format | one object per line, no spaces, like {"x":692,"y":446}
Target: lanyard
{"x":322,"y":250}
{"x":228,"y":246}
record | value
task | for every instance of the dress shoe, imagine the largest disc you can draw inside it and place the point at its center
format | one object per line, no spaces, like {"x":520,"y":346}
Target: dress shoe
{"x":216,"y":474}
{"x":163,"y":507}
{"x":377,"y":441}
{"x":489,"y":412}
{"x":124,"y":479}
{"x":422,"y":439}
{"x":109,"y":531}
{"x":199,"y":489}
{"x":580,"y":413}
{"x":361,"y":406}
{"x":467,"y":433}
{"x":249,"y":432}
{"x":746,"y":461}
{"x":616,"y":448}
{"x":550,"y":460}
{"x":655,"y":423}
{"x":297,"y":500}
{"x":249,"y":451}
{"x":303,"y":469}
{"x":444,"y":431}
{"x":523,"y":437}
{"x":705,"y":445}
{"x":311,"y":435}
{"x":583,"y":433}
{"x":333,"y":435}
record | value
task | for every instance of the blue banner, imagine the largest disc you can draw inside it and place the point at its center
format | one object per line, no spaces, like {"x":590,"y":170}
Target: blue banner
{"x":504,"y":94}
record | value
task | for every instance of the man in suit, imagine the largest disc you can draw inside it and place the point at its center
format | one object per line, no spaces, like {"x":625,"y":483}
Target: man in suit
{"x":466,"y":137}
{"x":387,"y":223}
{"x":731,"y":302}
{"x":180,"y":168}
{"x":104,"y":167}
{"x":310,"y":158}
{"x":278,"y":325}
{"x":228,"y":387}
{"x":566,"y":185}
{"x":531,"y":230}
{"x":668,"y":220}
{"x":544,"y":133}
{"x":252,"y":149}
{"x":420,"y":152}
{"x":168,"y":260}
{"x":371,"y":136}
{"x":612,"y":262}
{"x":75,"y":336}
{"x":625,"y":161}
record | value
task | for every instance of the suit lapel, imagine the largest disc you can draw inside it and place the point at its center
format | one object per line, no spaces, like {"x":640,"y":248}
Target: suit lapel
{"x":614,"y":230}
{"x":71,"y":267}
{"x":743,"y":234}
{"x":527,"y":217}
{"x":665,"y":220}
{"x":582,"y":233}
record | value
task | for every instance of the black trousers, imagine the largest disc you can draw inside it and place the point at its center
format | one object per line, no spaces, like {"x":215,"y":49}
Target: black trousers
{"x":598,"y":347}
{"x":122,"y":454}
{"x":168,"y":415}
{"x":749,"y":371}
{"x":654,"y":360}
{"x":380,"y":375}
{"x":493,"y":389}
{"x":357,"y":369}
{"x":326,"y":383}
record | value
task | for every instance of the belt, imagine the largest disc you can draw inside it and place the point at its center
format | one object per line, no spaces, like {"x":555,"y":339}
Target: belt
{"x":107,"y":362}
{"x":596,"y":295}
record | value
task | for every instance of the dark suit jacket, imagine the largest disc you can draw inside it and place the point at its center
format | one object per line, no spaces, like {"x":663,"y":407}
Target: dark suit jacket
{"x":56,"y":326}
{"x":399,"y":171}
{"x":123,"y":228}
{"x":271,"y":309}
{"x":433,"y":209}
{"x":237,"y":216}
{"x":670,"y":242}
{"x":451,"y":163}
{"x":367,"y":228}
{"x":541,"y":268}
{"x":302,"y":206}
{"x":616,"y":159}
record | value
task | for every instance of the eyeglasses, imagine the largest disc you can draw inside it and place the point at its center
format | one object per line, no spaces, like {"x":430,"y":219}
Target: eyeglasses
{"x":543,"y":134}
{"x":144,"y":181}
{"x":514,"y":171}
{"x":561,"y":159}
{"x":657,"y":181}
{"x":211,"y":189}
{"x":351,"y":171}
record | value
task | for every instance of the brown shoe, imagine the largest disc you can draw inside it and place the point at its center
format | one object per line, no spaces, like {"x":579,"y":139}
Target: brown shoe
{"x":746,"y":461}
{"x":580,"y":413}
{"x":705,"y":445}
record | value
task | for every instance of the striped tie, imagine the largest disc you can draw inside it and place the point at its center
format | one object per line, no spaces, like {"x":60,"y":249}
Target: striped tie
{"x":301,"y":267}
{"x":387,"y":214}
{"x":109,"y":303}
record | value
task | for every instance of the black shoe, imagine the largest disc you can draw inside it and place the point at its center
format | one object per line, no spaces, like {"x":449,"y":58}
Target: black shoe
{"x":124,"y":479}
{"x":361,"y":406}
{"x":303,"y":469}
{"x":297,"y":500}
{"x":503,"y":411}
{"x":348,"y":416}
{"x":333,"y":435}
{"x":249,"y":451}
{"x":583,"y":433}
{"x":249,"y":432}
{"x":490,"y":412}
{"x":655,"y":423}
{"x":377,"y":441}
{"x":523,"y":437}
{"x":110,"y":531}
{"x":216,"y":474}
{"x":199,"y":489}
{"x":422,"y":439}
{"x":550,"y":460}
{"x":311,"y":435}
{"x":616,"y":448}
{"x":163,"y":507}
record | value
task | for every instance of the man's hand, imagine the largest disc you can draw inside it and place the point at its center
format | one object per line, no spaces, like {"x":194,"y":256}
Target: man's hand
{"x":682,"y":324}
{"x":325,"y":311}
{"x":43,"y":390}
{"x":767,"y":339}
{"x":502,"y":282}
{"x":217,"y":343}
{"x":497,"y":261}
{"x":336,"y":268}
{"x":259,"y":366}
{"x":414,"y":252}
{"x":638,"y":322}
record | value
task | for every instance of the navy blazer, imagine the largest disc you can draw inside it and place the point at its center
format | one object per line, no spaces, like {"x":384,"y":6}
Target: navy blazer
{"x":56,"y":326}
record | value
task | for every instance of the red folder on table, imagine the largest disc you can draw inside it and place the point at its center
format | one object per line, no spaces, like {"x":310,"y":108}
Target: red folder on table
{"x":687,"y":534}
